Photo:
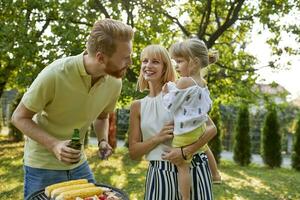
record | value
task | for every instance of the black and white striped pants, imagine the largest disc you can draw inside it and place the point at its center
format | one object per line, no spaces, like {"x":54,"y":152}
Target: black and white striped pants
{"x":161,"y":181}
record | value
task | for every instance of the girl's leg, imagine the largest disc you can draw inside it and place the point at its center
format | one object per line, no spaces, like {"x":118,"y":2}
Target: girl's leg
{"x":216,"y":177}
{"x":184,"y":180}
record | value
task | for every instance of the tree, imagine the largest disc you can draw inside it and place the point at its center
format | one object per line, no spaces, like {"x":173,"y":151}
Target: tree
{"x":242,"y":144}
{"x":45,"y":31}
{"x":271,"y":139}
{"x":215,"y":144}
{"x":20,"y":40}
{"x":296,"y":147}
{"x":225,"y":26}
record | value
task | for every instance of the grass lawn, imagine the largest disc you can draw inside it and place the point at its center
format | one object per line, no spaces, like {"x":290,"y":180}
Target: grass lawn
{"x":252,"y":182}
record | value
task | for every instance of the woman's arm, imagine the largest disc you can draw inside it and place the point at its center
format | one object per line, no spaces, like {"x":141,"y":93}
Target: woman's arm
{"x":137,"y":146}
{"x":174,"y":154}
{"x":209,"y":133}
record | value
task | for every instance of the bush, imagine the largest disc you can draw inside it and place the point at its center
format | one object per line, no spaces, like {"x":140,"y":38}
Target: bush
{"x":14,"y":134}
{"x":242,"y":144}
{"x":122,"y":123}
{"x":296,"y":147}
{"x":215,"y":144}
{"x":271,"y":140}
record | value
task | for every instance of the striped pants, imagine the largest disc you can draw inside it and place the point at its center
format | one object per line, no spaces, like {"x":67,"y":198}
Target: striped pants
{"x":162,"y":183}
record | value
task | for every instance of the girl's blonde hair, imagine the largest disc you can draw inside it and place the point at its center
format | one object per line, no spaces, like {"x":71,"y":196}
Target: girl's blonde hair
{"x":194,"y":50}
{"x":159,"y":52}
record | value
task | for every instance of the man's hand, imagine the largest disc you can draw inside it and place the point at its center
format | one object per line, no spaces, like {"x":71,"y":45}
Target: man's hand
{"x":104,"y":150}
{"x":66,"y":154}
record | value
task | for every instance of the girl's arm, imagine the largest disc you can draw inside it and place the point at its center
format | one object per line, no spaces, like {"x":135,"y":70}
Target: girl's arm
{"x":174,"y":98}
{"x":184,"y":82}
{"x":137,"y":146}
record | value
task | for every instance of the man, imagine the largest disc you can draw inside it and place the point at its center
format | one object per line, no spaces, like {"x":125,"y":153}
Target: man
{"x":72,"y":93}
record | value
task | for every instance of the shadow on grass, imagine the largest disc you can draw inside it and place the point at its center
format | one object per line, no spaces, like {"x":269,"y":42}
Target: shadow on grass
{"x":13,"y":193}
{"x":121,"y":172}
{"x":11,"y":165}
{"x":225,"y":191}
{"x":251,"y":182}
{"x":11,"y":169}
{"x":7,"y":145}
{"x":256,"y":182}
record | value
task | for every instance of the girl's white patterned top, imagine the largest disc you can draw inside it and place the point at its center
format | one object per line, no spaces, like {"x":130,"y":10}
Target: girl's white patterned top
{"x":188,"y":106}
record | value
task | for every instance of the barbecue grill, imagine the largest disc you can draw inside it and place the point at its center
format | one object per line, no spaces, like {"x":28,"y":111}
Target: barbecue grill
{"x":40,"y":195}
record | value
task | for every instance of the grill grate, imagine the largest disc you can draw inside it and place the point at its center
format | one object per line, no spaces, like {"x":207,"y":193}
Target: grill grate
{"x":40,"y":196}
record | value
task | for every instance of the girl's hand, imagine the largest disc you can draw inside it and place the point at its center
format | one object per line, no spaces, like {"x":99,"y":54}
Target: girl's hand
{"x":173,"y":155}
{"x":165,"y":89}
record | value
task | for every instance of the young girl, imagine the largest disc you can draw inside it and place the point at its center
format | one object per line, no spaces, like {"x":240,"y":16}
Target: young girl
{"x":151,"y":133}
{"x":189,"y":102}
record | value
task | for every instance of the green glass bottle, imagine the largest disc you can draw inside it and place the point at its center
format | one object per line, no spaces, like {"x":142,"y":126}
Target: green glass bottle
{"x":75,"y":141}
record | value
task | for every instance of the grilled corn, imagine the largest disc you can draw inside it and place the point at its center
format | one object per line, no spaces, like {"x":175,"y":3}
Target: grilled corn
{"x":50,"y":188}
{"x":60,"y":190}
{"x":82,"y":193}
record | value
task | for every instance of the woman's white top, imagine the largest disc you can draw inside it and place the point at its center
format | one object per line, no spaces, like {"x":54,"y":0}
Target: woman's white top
{"x":188,"y":106}
{"x":153,"y":117}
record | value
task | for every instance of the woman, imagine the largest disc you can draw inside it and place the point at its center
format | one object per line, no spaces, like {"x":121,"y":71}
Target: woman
{"x":151,"y":132}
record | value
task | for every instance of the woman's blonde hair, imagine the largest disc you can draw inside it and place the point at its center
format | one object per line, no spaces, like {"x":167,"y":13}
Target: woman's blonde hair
{"x":105,"y":34}
{"x":194,"y":50}
{"x":162,"y":54}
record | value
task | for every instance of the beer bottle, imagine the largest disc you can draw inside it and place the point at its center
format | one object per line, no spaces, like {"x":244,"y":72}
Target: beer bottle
{"x":75,"y":141}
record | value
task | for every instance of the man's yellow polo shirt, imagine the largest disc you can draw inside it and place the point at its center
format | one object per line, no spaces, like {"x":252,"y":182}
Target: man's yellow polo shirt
{"x":63,"y":99}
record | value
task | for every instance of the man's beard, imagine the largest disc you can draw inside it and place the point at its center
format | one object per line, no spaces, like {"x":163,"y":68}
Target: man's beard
{"x":115,"y":73}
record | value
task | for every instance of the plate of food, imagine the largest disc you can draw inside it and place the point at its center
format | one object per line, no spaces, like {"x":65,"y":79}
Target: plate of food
{"x":79,"y":190}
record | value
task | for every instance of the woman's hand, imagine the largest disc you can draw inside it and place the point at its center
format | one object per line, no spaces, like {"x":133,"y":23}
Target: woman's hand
{"x":166,"y":133}
{"x":173,"y":155}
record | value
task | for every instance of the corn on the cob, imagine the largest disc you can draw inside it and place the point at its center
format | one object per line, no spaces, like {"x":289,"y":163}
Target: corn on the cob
{"x":85,"y":192}
{"x":60,"y":190}
{"x":50,"y":188}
